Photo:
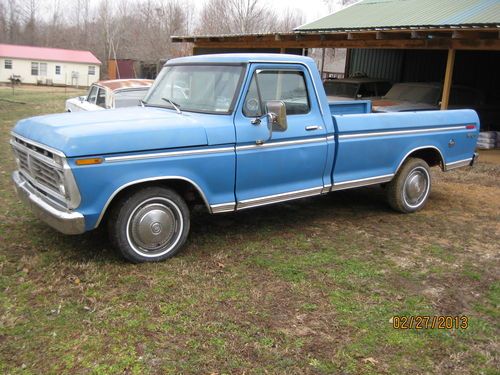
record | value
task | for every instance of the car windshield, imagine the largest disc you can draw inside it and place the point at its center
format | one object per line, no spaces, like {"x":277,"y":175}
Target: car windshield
{"x":414,"y":93}
{"x":129,"y":98}
{"x":347,"y":89}
{"x":196,"y":88}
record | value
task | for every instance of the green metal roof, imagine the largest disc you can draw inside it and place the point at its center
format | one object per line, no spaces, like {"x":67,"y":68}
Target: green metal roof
{"x":374,"y":14}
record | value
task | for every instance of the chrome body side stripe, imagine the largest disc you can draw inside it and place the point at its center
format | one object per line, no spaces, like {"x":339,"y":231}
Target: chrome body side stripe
{"x":326,"y":188}
{"x":281,"y":144}
{"x":169,"y":154}
{"x":401,"y":132}
{"x":261,"y":201}
{"x":362,"y":182}
{"x":223,"y":207}
{"x":458,"y":164}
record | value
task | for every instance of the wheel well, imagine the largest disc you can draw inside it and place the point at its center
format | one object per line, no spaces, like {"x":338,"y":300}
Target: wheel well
{"x":430,"y":155}
{"x":188,"y":191}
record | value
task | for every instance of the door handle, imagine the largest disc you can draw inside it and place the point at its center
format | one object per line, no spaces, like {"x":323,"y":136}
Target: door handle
{"x":313,"y":127}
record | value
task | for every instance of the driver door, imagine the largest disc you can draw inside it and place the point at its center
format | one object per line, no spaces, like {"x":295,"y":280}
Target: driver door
{"x":284,"y":164}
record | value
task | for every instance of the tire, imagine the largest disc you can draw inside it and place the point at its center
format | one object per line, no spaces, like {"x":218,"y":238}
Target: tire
{"x":410,"y":188}
{"x":149,"y":225}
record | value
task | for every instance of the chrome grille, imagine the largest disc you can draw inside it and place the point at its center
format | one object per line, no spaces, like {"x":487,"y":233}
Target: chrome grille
{"x":39,"y":167}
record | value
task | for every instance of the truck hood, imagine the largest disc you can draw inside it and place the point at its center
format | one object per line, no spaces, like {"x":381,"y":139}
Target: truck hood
{"x":114,"y":131}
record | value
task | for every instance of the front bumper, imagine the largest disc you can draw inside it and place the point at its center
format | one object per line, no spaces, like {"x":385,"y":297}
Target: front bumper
{"x":67,"y":222}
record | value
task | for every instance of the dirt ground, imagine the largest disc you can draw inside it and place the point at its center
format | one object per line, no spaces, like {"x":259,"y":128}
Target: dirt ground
{"x":305,"y":287}
{"x":490,"y":156}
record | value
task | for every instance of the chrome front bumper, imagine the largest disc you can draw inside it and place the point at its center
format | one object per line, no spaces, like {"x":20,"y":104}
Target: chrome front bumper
{"x":67,"y":222}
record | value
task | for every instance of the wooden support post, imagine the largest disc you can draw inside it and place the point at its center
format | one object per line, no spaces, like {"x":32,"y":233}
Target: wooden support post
{"x":448,"y":78}
{"x":282,"y":50}
{"x":347,"y":65}
{"x":322,"y":63}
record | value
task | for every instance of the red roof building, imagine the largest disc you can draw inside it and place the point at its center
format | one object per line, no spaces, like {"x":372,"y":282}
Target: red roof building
{"x":42,"y":65}
{"x":47,"y":54}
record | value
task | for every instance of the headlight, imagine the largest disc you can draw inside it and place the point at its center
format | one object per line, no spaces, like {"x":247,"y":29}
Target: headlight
{"x":62,"y":189}
{"x":58,"y":160}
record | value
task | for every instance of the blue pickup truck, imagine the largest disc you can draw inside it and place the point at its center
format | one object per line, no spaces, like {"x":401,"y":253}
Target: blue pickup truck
{"x":230,"y":132}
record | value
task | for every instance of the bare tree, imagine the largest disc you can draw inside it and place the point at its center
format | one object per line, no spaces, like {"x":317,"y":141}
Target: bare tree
{"x":137,"y":29}
{"x":290,"y":19}
{"x":334,"y":5}
{"x":3,"y":22}
{"x":13,"y":21}
{"x":29,"y":11}
{"x":235,"y":17}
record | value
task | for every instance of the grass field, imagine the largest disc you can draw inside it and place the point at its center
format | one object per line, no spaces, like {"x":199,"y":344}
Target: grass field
{"x":307,"y":287}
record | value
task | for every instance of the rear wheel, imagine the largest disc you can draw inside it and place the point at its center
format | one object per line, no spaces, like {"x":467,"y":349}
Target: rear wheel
{"x":410,"y":188}
{"x":149,"y":225}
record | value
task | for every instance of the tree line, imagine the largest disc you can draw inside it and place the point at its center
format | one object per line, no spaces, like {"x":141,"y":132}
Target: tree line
{"x":137,"y":29}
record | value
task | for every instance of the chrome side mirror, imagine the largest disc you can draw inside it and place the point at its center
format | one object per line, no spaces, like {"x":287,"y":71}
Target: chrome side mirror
{"x":276,"y":112}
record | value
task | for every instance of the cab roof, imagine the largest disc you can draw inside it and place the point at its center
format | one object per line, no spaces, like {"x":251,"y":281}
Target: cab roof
{"x":241,"y":58}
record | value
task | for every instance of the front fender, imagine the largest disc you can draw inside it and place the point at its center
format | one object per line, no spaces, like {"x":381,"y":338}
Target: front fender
{"x":210,"y":170}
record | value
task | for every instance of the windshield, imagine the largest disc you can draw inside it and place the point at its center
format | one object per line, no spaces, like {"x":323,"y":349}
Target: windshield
{"x":414,"y":93}
{"x":129,"y":98}
{"x":347,"y":89}
{"x":196,"y":88}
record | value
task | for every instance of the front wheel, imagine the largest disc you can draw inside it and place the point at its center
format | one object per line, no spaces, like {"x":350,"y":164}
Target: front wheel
{"x":410,"y":188}
{"x":149,"y":225}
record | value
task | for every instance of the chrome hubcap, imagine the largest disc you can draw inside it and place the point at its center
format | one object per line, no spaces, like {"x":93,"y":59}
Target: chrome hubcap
{"x":154,"y":227}
{"x":416,"y":187}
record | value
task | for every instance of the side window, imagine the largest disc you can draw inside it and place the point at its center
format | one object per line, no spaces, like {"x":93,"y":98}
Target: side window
{"x":286,"y":85}
{"x":92,"y":94}
{"x":34,"y":68}
{"x":252,"y":105}
{"x":7,"y":64}
{"x":101,"y":98}
{"x":43,"y":69}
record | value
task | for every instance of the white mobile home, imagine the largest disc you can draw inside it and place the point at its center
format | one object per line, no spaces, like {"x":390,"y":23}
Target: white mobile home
{"x":48,"y":66}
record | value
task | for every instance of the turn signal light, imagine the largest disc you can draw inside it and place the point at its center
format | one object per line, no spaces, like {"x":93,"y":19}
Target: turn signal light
{"x":90,"y":161}
{"x":470,"y":127}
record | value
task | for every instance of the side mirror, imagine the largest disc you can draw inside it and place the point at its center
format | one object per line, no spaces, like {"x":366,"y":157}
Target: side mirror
{"x":276,"y":110}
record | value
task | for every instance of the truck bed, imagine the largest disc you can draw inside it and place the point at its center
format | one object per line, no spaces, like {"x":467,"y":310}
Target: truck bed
{"x":373,"y":146}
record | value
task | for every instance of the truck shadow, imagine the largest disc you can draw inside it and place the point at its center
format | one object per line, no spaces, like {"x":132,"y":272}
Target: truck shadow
{"x":293,"y":217}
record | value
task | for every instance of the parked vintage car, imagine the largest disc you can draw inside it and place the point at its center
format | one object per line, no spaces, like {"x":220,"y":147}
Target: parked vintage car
{"x":424,"y":96}
{"x":115,"y":93}
{"x":355,"y":88}
{"x":230,"y":132}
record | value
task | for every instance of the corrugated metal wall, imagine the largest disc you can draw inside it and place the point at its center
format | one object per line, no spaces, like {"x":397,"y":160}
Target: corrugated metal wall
{"x":377,"y":63}
{"x":399,"y":65}
{"x":477,"y":69}
{"x":423,"y":66}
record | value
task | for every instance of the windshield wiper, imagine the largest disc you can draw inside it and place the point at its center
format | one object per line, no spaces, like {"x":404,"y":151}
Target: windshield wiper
{"x":173,"y":104}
